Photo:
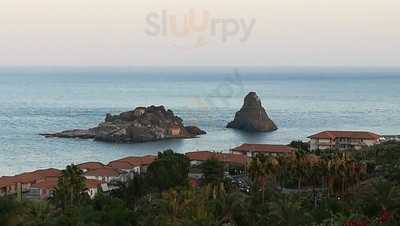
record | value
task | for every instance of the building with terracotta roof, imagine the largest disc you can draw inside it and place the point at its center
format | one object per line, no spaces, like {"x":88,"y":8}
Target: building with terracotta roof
{"x":126,"y":167}
{"x":342,"y":140}
{"x":106,"y":174}
{"x":37,"y":175}
{"x":45,"y":189}
{"x":234,"y":159}
{"x":251,"y":150}
{"x":8,"y":185}
{"x":232,"y":162}
{"x":86,"y":166}
{"x":140,"y":162}
{"x":147,"y":160}
{"x":198,"y":157}
{"x":93,"y":187}
{"x":122,"y":165}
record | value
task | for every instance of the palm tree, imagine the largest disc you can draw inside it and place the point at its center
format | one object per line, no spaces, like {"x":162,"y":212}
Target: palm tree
{"x":287,"y":210}
{"x":325,"y":167}
{"x":230,"y":208}
{"x":341,"y":173}
{"x":284,"y":164}
{"x":70,"y":187}
{"x":185,"y":208}
{"x":261,"y":169}
{"x":213,"y":171}
{"x":257,"y":172}
{"x":175,"y":207}
{"x":298,"y":169}
{"x":198,"y":209}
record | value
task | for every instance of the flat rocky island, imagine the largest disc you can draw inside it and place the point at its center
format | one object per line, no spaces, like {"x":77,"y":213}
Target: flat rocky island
{"x":143,"y":124}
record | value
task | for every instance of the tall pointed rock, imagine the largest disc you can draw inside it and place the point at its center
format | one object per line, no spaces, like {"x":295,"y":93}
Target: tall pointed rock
{"x":252,"y":117}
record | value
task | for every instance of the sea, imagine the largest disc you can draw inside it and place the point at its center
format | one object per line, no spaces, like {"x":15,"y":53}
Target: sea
{"x":300,"y":100}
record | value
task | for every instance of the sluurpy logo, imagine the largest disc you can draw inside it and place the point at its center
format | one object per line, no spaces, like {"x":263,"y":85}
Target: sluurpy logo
{"x":200,"y":25}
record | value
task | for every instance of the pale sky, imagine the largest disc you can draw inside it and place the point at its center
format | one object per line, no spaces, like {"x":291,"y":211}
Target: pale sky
{"x":285,"y":32}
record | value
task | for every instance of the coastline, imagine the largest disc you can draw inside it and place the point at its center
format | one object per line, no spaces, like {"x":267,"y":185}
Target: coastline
{"x":299,"y":103}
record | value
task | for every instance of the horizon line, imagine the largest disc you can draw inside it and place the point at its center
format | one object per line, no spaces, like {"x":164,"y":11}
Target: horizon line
{"x":199,"y":66}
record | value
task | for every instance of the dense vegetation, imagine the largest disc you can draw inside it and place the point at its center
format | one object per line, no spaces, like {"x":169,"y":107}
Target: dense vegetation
{"x":352,"y":188}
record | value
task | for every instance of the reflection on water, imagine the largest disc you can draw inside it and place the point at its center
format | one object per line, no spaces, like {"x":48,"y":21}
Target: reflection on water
{"x":250,"y":137}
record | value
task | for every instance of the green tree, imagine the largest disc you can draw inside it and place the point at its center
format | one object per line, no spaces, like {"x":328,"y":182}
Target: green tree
{"x":111,"y":211}
{"x":38,"y":213}
{"x":213,"y":171}
{"x":83,"y":215}
{"x":70,"y":187}
{"x":380,"y":195}
{"x":10,"y":212}
{"x":263,"y":169}
{"x":169,"y":170}
{"x":300,"y":145}
{"x":287,"y":210}
{"x":132,"y":191}
{"x":231,"y":208}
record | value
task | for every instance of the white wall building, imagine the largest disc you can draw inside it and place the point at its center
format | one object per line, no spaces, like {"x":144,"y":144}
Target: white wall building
{"x":342,"y":140}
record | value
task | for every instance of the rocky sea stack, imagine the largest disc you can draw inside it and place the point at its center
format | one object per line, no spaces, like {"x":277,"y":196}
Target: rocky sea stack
{"x":140,"y":125}
{"x":252,"y":117}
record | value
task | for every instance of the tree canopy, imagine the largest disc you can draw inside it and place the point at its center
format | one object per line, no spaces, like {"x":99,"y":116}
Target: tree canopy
{"x":213,"y":171}
{"x":333,"y":191}
{"x":169,"y":170}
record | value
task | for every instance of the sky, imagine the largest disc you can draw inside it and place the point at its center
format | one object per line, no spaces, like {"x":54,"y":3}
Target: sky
{"x":206,"y":32}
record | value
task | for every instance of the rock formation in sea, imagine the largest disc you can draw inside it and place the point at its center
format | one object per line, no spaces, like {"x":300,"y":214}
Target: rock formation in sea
{"x":143,"y":124}
{"x":252,"y":117}
{"x":195,"y":130}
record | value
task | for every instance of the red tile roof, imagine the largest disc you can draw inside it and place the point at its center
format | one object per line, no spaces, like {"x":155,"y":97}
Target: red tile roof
{"x":345,"y":134}
{"x":7,"y":181}
{"x":139,"y":160}
{"x":133,"y":160}
{"x":264,"y":148}
{"x":30,"y":177}
{"x":49,"y":183}
{"x":121,"y":165}
{"x":106,"y":171}
{"x":34,"y":176}
{"x":224,"y":157}
{"x":234,"y":158}
{"x":148,"y":159}
{"x":200,"y":155}
{"x":91,"y":165}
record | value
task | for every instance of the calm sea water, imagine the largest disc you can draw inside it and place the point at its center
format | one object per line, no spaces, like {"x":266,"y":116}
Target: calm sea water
{"x":301,"y":101}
